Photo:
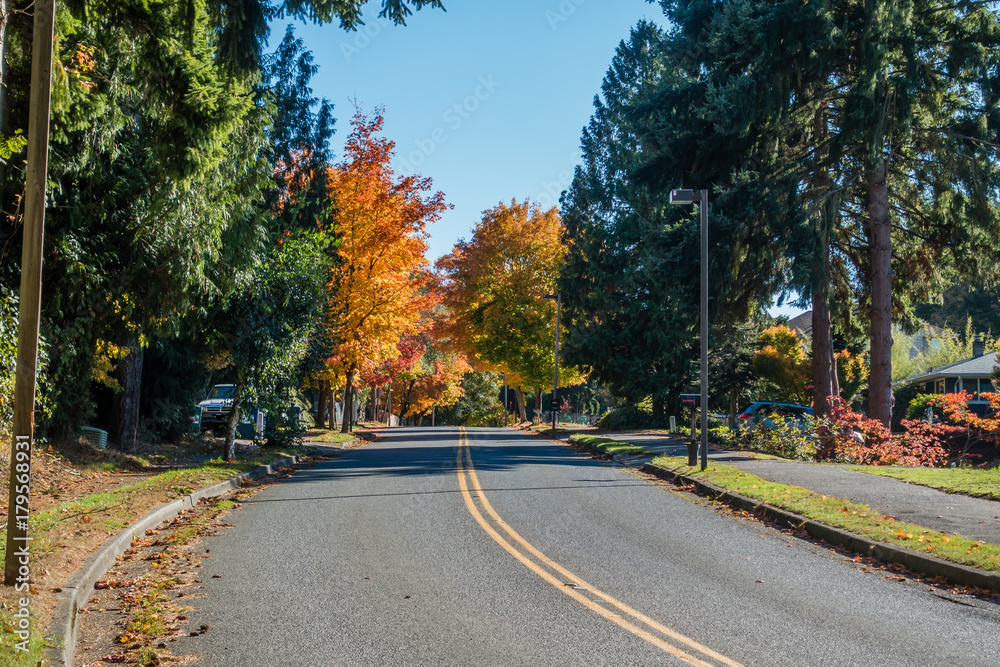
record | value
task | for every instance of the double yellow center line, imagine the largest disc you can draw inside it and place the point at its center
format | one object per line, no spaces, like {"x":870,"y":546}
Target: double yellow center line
{"x":590,"y":597}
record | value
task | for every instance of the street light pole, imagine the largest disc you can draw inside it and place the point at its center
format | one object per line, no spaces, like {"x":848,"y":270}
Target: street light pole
{"x":703,"y":210}
{"x":555,"y":376}
{"x":555,"y":380}
{"x":505,"y":400}
{"x":683,"y":198}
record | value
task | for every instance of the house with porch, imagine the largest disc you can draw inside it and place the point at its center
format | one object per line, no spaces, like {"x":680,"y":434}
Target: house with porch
{"x":971,"y":375}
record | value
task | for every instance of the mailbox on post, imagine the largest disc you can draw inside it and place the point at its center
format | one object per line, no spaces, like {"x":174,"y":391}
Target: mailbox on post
{"x":692,"y":401}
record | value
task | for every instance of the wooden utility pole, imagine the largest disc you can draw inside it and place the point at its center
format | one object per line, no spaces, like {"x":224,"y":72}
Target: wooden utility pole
{"x":31,"y":288}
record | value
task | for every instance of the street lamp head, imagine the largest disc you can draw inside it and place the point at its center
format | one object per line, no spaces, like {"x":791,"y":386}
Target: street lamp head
{"x":684,"y":197}
{"x":554,"y":297}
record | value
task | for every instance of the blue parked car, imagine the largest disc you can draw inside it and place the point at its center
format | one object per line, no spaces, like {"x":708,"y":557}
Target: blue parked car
{"x":763,"y":412}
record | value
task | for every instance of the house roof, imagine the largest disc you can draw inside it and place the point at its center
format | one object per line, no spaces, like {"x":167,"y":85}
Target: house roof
{"x":981,"y":366}
{"x":802,"y":324}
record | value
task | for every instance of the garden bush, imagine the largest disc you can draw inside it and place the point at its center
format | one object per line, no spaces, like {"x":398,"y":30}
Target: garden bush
{"x":625,"y":418}
{"x":850,"y":437}
{"x":787,"y":438}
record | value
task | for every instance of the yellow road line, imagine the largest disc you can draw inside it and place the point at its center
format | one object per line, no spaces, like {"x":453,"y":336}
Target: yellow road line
{"x":467,"y":473}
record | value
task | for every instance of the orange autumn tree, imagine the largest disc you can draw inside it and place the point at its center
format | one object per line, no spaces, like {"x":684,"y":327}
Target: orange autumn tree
{"x":435,"y":380}
{"x":496,"y":287}
{"x":381,"y":283}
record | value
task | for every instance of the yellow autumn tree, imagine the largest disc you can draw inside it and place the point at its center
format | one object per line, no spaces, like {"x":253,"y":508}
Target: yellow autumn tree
{"x":380,"y":283}
{"x":496,"y":287}
{"x":782,"y":362}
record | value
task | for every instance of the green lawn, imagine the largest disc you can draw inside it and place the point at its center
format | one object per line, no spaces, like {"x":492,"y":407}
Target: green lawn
{"x":966,"y":481}
{"x":335,"y":437}
{"x":858,"y":519}
{"x":607,"y":445}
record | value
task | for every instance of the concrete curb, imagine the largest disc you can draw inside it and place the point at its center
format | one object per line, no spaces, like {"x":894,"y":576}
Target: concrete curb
{"x":925,"y":564}
{"x":63,"y":628}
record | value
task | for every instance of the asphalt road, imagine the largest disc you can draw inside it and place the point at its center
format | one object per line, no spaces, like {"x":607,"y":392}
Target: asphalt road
{"x":511,"y":550}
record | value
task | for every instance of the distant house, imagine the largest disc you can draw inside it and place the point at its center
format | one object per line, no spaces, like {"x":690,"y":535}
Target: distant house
{"x":802,"y":324}
{"x":924,"y":340}
{"x":971,"y":375}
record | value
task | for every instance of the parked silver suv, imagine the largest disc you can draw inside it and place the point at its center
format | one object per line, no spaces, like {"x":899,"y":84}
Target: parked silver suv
{"x":216,"y":408}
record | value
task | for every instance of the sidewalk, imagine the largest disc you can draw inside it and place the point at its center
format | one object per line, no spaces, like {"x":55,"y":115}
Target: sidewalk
{"x":974,"y":518}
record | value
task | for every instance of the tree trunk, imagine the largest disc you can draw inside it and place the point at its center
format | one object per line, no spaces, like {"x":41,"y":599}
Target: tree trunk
{"x":229,"y":447}
{"x":522,"y":411}
{"x":823,"y":376}
{"x":125,"y":409}
{"x":824,"y":373}
{"x":404,"y":401}
{"x":834,"y":377}
{"x":538,"y":403}
{"x":321,"y":411}
{"x":388,"y":407}
{"x":734,"y":396}
{"x":659,"y":407}
{"x":880,"y":377}
{"x":345,"y":426}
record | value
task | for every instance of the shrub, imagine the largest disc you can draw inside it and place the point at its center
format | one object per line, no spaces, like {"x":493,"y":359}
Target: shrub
{"x":725,"y":436}
{"x":981,"y":433}
{"x":787,"y":438}
{"x":917,"y":408}
{"x":625,"y":418}
{"x":850,"y":437}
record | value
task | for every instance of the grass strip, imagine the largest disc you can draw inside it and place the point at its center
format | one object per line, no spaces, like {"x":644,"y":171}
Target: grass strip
{"x":334,"y":437}
{"x":965,"y":481}
{"x":840,"y":513}
{"x":607,"y":445}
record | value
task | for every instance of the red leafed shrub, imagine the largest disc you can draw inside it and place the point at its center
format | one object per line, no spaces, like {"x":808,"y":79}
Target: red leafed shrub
{"x":854,"y":438}
{"x":956,"y":409}
{"x":932,"y":444}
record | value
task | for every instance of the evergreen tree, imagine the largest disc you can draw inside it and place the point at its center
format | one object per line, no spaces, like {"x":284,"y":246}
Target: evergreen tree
{"x":623,"y":316}
{"x":919,"y":136}
{"x":143,"y":195}
{"x":858,"y":131}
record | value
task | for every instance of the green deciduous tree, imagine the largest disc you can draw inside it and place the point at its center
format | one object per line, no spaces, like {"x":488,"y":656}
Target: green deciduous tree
{"x":480,"y":404}
{"x":265,"y":323}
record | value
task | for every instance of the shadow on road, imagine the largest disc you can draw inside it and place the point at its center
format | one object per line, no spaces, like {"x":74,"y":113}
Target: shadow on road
{"x":408,"y":452}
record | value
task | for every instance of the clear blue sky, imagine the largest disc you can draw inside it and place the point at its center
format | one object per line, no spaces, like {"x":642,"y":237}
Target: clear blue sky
{"x":523,"y":74}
